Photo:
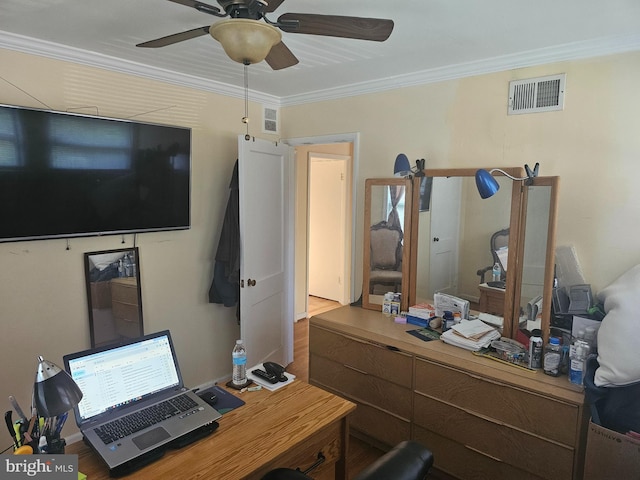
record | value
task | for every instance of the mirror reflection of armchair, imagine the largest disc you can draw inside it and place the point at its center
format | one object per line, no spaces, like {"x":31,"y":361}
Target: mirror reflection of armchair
{"x":499,"y":240}
{"x":386,"y":258}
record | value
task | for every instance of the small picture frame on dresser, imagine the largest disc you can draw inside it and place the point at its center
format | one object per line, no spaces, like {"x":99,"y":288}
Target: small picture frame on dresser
{"x":113,"y":295}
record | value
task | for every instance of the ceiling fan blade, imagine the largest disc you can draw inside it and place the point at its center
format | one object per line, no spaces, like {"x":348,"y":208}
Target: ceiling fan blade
{"x":272,"y":5}
{"x":175,"y":38}
{"x":281,"y":57}
{"x":375,"y":29}
{"x":201,"y":7}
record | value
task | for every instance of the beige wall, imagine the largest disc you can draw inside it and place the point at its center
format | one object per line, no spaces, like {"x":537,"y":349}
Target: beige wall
{"x":43,"y":304}
{"x":593,"y":145}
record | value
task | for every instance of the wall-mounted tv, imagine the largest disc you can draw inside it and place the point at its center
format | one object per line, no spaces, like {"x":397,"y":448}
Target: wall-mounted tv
{"x":64,"y":175}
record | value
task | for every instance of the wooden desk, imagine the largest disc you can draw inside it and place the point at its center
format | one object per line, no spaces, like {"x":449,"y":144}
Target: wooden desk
{"x":491,"y":299}
{"x":285,"y":428}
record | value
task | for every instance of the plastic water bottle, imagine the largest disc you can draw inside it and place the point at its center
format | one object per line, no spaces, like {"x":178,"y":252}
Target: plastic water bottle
{"x":578,"y":354}
{"x":590,"y":336}
{"x":552,"y":357}
{"x":239,"y":354}
{"x":496,"y":272}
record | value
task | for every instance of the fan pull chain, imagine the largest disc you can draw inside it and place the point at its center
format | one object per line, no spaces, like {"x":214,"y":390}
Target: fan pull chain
{"x":245,"y":119}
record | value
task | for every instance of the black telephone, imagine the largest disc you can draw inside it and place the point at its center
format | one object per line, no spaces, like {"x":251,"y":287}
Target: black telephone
{"x":276,"y":370}
{"x":272,"y":373}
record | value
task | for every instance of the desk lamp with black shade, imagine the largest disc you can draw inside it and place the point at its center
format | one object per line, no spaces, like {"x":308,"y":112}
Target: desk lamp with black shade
{"x":54,"y":394}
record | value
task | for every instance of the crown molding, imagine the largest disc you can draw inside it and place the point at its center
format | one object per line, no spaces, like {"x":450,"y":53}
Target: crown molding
{"x":560,"y":53}
{"x":56,"y":51}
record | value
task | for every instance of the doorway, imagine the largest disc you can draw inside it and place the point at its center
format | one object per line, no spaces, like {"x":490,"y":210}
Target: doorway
{"x":327,"y":196}
{"x":318,"y":147}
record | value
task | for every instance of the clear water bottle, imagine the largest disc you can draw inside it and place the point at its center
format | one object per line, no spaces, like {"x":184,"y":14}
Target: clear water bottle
{"x":590,"y":336}
{"x":552,"y":354}
{"x":578,"y":354}
{"x":496,"y":272}
{"x":239,"y":354}
{"x":126,"y":263}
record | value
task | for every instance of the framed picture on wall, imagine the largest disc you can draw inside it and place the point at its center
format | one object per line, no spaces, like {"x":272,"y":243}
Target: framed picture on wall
{"x":113,"y":295}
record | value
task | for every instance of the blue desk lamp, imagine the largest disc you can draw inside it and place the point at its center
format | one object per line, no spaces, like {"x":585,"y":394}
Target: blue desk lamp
{"x":488,"y":186}
{"x":402,"y":167}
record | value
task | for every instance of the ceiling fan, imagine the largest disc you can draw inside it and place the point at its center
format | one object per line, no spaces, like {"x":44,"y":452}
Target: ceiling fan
{"x":247,"y":39}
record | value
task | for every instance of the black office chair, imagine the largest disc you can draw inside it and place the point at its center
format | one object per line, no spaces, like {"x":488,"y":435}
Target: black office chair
{"x":406,"y":461}
{"x":498,"y":240}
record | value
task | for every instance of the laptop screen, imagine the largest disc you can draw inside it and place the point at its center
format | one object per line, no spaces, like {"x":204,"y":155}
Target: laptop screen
{"x":116,"y":376}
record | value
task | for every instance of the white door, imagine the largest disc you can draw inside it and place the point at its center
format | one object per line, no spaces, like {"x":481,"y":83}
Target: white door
{"x":446,"y":198}
{"x":265,"y":174}
{"x":327,"y":226}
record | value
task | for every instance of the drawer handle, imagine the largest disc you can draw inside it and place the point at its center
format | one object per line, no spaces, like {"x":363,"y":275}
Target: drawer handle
{"x":488,"y":380}
{"x":355,"y":369}
{"x":316,"y":464}
{"x":483,"y":454}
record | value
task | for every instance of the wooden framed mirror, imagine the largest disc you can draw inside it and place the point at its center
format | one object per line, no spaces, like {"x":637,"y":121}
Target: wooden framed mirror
{"x":452,"y":241}
{"x":113,"y":295}
{"x":451,"y":255}
{"x":534,"y":284}
{"x":387,"y":226}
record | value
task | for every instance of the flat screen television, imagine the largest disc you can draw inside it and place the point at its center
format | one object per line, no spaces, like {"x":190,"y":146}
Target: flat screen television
{"x":65,"y":175}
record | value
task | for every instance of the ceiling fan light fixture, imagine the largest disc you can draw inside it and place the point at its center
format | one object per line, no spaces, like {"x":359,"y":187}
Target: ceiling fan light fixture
{"x":245,"y":41}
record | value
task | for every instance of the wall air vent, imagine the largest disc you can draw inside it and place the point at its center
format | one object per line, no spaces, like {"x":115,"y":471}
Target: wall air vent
{"x":542,"y":94}
{"x":269,"y":119}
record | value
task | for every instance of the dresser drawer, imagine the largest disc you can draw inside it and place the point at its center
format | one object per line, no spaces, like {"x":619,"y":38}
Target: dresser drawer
{"x":380,"y":425}
{"x":462,"y":462}
{"x":366,"y":357}
{"x":494,"y":439}
{"x":519,"y":408}
{"x":125,"y":311}
{"x":361,"y":386}
{"x":122,"y":291}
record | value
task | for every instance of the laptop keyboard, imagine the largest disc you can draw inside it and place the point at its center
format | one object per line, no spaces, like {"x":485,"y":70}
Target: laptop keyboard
{"x":134,"y":422}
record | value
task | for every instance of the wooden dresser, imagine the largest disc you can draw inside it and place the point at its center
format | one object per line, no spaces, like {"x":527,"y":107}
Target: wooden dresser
{"x":491,"y":299}
{"x":125,"y":307}
{"x":481,"y":418}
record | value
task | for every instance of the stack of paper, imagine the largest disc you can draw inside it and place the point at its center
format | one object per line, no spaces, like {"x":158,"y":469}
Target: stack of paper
{"x":470,"y":335}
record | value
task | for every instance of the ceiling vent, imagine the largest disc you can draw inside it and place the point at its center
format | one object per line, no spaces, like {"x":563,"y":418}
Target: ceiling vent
{"x":542,"y":94}
{"x":269,"y":119}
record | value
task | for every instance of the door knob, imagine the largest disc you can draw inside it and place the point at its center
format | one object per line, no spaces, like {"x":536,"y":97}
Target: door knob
{"x":436,"y":239}
{"x":251,"y":283}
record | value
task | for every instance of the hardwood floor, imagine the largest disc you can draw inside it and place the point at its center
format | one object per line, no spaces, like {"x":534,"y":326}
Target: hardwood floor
{"x":360,"y":454}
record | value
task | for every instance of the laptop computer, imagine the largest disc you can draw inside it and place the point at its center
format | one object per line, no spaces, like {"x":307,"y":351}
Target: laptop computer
{"x":134,"y":403}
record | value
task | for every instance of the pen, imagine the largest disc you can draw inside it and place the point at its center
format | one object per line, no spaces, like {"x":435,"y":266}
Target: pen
{"x":61,"y":419}
{"x":16,"y":407}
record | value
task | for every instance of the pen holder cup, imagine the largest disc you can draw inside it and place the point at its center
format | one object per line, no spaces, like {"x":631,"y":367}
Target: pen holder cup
{"x":55,"y":445}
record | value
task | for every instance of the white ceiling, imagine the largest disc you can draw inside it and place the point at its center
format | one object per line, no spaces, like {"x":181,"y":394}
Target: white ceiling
{"x":432,"y":40}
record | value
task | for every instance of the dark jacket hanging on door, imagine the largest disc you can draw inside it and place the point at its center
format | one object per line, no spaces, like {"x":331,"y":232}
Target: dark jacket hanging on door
{"x":225,"y":287}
